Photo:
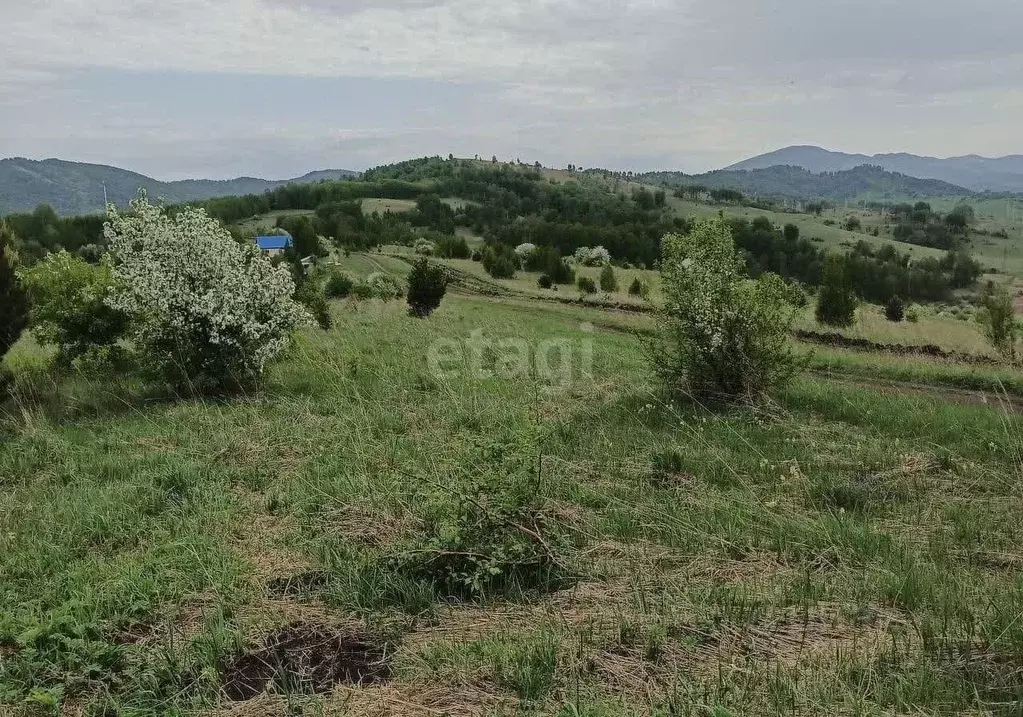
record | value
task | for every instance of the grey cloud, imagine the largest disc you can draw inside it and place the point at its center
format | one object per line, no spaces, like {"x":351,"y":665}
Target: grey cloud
{"x":661,"y":82}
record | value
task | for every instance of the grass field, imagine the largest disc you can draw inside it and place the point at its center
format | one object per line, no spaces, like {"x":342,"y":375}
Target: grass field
{"x":366,"y":535}
{"x":266,"y":222}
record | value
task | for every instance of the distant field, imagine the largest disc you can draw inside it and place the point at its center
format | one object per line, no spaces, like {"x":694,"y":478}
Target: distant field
{"x":266,"y":222}
{"x":381,"y":205}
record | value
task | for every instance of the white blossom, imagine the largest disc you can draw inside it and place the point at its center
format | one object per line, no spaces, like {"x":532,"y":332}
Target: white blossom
{"x":188,"y":286}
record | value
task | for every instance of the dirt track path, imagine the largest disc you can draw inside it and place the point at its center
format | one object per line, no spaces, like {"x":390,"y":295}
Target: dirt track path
{"x":962,"y":396}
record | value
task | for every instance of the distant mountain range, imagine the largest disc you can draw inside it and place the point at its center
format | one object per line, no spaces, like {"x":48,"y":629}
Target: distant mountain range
{"x":796,"y":183}
{"x":77,"y":188}
{"x":979,"y":174}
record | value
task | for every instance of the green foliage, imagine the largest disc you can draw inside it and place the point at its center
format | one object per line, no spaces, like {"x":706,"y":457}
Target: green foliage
{"x":13,"y":299}
{"x":426,"y":287}
{"x":545,"y":281}
{"x":791,"y":232}
{"x":638,"y":288}
{"x":608,"y":281}
{"x":500,"y":261}
{"x":720,"y":335}
{"x":338,"y":285}
{"x":836,"y":302}
{"x":453,"y":247}
{"x":853,"y":224}
{"x":912,"y":314}
{"x":895,"y":309}
{"x":501,"y":540}
{"x":998,"y":319}
{"x":313,"y":297}
{"x":384,"y":286}
{"x":70,"y":308}
{"x":548,"y":260}
{"x":586,"y":285}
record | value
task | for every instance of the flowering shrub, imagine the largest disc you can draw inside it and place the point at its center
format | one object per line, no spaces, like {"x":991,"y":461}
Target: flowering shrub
{"x":719,"y":334}
{"x":524,"y":251}
{"x":424,"y":247}
{"x":205,"y":311}
{"x":69,"y":299}
{"x":592,"y":256}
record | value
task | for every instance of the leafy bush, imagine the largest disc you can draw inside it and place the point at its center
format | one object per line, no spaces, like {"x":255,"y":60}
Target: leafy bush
{"x":998,"y":319}
{"x":338,"y":285}
{"x":912,"y":314}
{"x":384,"y":286}
{"x":548,"y":260}
{"x":477,"y":255}
{"x":71,"y":305}
{"x":608,"y":281}
{"x":895,"y":309}
{"x":426,"y":287}
{"x":424,"y":247}
{"x":586,"y":285}
{"x":363,"y":291}
{"x":836,"y":303}
{"x":452,"y":247}
{"x":498,"y":542}
{"x":545,"y":281}
{"x":205,"y":311}
{"x":313,"y":298}
{"x":500,"y":261}
{"x":13,"y":299}
{"x":719,"y":334}
{"x":637,"y":288}
{"x":853,"y":224}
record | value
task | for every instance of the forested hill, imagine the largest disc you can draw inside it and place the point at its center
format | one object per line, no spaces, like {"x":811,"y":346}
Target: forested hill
{"x":797,"y":183}
{"x":77,"y":188}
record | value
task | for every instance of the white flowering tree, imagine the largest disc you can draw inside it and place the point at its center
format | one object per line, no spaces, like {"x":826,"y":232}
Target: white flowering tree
{"x":205,"y":311}
{"x":720,"y":334}
{"x":593,"y":256}
{"x":524,"y":251}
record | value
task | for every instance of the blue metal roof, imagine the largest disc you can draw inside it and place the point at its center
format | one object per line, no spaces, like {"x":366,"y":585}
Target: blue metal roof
{"x":273,"y":242}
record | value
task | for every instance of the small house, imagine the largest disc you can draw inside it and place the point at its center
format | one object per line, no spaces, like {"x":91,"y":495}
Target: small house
{"x":274,"y":244}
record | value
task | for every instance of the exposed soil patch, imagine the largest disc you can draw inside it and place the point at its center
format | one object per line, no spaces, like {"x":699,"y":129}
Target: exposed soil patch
{"x":306,"y":658}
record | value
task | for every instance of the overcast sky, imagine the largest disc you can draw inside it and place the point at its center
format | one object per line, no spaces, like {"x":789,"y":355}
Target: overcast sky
{"x":275,"y":88}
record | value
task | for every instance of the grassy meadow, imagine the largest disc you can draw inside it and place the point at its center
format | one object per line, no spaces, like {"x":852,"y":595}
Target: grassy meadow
{"x":532,"y":530}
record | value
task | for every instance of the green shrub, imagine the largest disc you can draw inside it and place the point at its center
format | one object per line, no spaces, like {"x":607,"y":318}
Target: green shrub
{"x":586,"y":285}
{"x":13,"y":299}
{"x":70,"y":308}
{"x":500,"y":261}
{"x":895,"y":309}
{"x":720,"y":335}
{"x":636,"y":288}
{"x":477,"y":255}
{"x":548,"y":260}
{"x":912,"y":314}
{"x":998,"y":319}
{"x":836,"y":303}
{"x":338,"y":286}
{"x":425,"y":247}
{"x":608,"y":281}
{"x":363,"y":291}
{"x":453,"y":247}
{"x":545,"y":281}
{"x":312,"y":297}
{"x":499,"y":542}
{"x":385,"y":286}
{"x":426,"y":287}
